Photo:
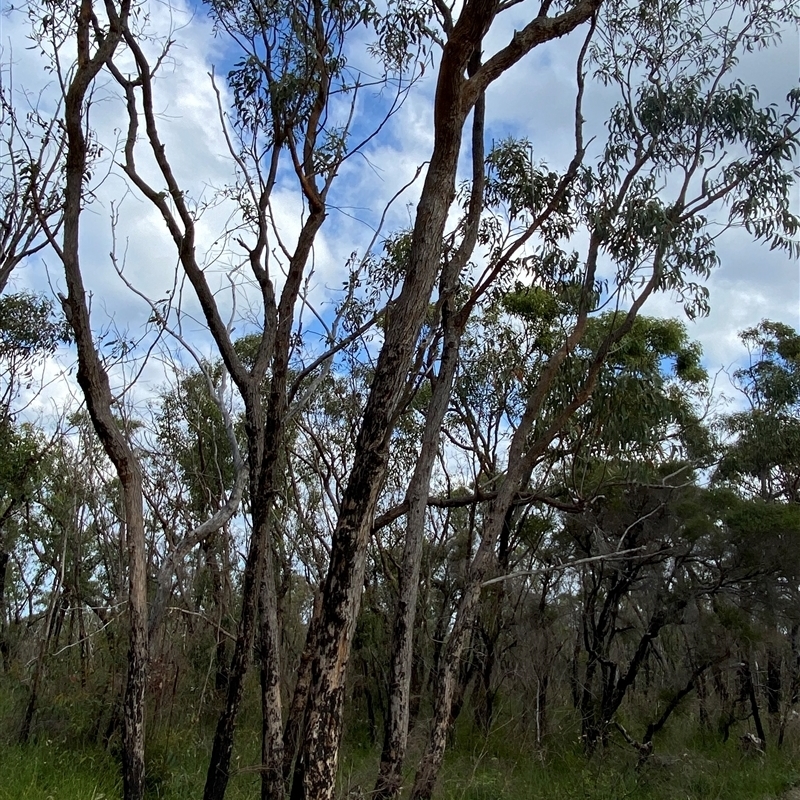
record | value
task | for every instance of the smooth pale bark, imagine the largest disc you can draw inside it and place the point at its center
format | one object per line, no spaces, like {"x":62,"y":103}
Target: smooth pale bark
{"x":388,"y":784}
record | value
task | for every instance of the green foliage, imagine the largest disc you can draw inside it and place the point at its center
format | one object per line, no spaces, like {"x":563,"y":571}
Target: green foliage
{"x":277,"y":83}
{"x":683,"y":115}
{"x":766,"y":448}
{"x":22,"y":461}
{"x":191,"y":429}
{"x":28,"y":327}
{"x":29,"y":331}
{"x":647,"y":394}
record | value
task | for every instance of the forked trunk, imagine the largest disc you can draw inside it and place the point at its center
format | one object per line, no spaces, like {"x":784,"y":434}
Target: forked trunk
{"x":343,"y":586}
{"x":94,"y":382}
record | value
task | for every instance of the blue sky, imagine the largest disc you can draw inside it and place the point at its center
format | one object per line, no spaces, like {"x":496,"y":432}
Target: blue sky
{"x":535,"y":101}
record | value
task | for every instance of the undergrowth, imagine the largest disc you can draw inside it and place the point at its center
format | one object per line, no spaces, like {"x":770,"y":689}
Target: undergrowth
{"x":687,"y":765}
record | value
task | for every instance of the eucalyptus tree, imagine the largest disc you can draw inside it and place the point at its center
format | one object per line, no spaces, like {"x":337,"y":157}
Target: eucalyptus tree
{"x":683,"y":142}
{"x":672,"y":130}
{"x":292,"y":63}
{"x":29,"y":333}
{"x":95,"y":41}
{"x":32,"y":147}
{"x":760,"y":464}
{"x":762,"y":458}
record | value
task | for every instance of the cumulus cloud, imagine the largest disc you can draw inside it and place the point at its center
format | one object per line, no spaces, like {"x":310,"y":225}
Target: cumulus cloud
{"x":535,"y":100}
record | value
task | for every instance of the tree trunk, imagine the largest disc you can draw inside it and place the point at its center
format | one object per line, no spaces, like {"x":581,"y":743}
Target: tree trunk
{"x":271,"y":719}
{"x":218,"y":768}
{"x":94,"y":382}
{"x":294,"y":722}
{"x":749,"y":689}
{"x":773,"y":680}
{"x":5,"y":652}
{"x":265,"y":440}
{"x":445,"y":692}
{"x":397,"y":721}
{"x":343,"y":586}
{"x":396,"y":728}
{"x":455,"y":98}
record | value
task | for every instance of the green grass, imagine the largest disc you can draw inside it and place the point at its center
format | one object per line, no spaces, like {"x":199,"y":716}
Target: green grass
{"x":703,"y":770}
{"x":51,"y":770}
{"x":498,"y":767}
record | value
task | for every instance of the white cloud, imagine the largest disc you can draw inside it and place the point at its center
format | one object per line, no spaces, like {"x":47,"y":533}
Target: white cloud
{"x":536,"y":100}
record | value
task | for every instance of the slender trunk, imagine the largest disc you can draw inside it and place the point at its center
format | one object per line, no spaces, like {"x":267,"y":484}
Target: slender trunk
{"x":654,"y":727}
{"x":94,"y":382}
{"x":222,"y":749}
{"x":133,"y":709}
{"x":33,"y":695}
{"x":400,"y":668}
{"x":396,"y":729}
{"x":590,"y":727}
{"x":749,"y":689}
{"x":343,"y":586}
{"x":445,"y":692}
{"x":773,"y":680}
{"x":794,"y":690}
{"x":219,"y":598}
{"x":541,"y":708}
{"x":271,"y":721}
{"x":265,"y":440}
{"x":294,"y":721}
{"x":4,"y":648}
{"x":702,"y":701}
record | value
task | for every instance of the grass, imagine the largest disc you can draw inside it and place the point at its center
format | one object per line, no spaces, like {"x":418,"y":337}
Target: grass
{"x":497,"y":767}
{"x":696,"y":769}
{"x":51,"y":770}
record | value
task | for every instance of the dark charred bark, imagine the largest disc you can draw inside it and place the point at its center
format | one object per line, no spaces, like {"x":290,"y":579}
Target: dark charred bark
{"x":344,"y":582}
{"x":794,"y":691}
{"x":702,"y":701}
{"x":455,"y":97}
{"x":265,"y":441}
{"x":749,"y":691}
{"x":654,"y":727}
